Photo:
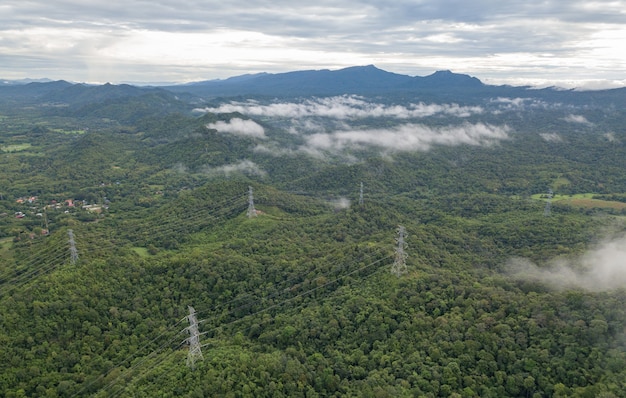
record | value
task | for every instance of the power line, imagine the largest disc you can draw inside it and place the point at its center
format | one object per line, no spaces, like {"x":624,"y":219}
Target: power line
{"x":163,"y":358}
{"x":215,"y":328}
{"x":310,"y":291}
{"x":35,"y":267}
{"x":172,"y":227}
{"x":134,"y":367}
{"x":23,"y":279}
{"x":151,"y":366}
{"x":174,"y":224}
{"x":129,"y":358}
{"x":333,"y":292}
{"x":305,"y":293}
{"x":289,"y":283}
{"x":33,"y":261}
{"x":34,"y":252}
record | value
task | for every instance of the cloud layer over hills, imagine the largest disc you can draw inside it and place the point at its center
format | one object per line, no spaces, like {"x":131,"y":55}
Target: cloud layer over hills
{"x":344,"y":107}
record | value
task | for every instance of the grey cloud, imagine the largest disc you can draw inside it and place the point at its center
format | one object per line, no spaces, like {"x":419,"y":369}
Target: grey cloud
{"x":601,"y":268}
{"x":412,"y":37}
{"x":486,"y":10}
{"x":168,"y":15}
{"x":292,"y":14}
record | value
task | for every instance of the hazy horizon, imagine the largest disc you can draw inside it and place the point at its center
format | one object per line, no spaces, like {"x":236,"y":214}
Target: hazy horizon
{"x":597,"y":85}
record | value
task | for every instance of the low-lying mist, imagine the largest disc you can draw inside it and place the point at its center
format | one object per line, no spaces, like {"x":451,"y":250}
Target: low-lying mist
{"x":601,"y":268}
{"x":344,"y":107}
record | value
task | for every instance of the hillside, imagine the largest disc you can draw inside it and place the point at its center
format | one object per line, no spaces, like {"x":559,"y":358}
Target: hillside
{"x":276,"y":218}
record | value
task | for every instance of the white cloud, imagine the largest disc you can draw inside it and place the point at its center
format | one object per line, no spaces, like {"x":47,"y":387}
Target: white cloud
{"x":515,"y":102}
{"x":512,"y":104}
{"x":345,"y":107}
{"x":409,"y":137}
{"x":340,"y":203}
{"x":307,"y":125}
{"x":610,"y":136}
{"x":245,"y":166}
{"x":179,"y":168}
{"x":404,"y":137}
{"x":601,"y":268}
{"x":577,"y":119}
{"x":239,"y":127}
{"x":274,"y":150}
{"x":551,"y":137}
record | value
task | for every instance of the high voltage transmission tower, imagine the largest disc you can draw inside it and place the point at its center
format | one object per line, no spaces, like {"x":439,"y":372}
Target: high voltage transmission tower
{"x":361,"y":195}
{"x":399,"y":264}
{"x":195,"y":349}
{"x":547,"y":209}
{"x":73,"y":251}
{"x":251,"y":210}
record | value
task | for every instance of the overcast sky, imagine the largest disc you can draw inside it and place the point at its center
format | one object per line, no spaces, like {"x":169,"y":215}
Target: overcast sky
{"x":498,"y":41}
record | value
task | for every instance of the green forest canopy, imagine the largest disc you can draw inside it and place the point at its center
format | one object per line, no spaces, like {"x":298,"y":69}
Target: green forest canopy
{"x":299,"y":300}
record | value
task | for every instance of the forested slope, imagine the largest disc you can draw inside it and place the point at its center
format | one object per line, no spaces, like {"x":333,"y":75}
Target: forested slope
{"x":510,"y":290}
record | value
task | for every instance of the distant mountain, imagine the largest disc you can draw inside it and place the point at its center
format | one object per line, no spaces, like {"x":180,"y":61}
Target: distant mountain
{"x":447,"y":79}
{"x":131,"y":108}
{"x":83,"y":93}
{"x":76,"y":95}
{"x":17,"y":93}
{"x":233,"y":79}
{"x":361,"y":80}
{"x":9,"y":82}
{"x":353,"y":80}
{"x":370,"y":80}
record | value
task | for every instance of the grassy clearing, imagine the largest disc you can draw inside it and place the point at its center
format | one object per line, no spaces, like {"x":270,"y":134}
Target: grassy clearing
{"x":557,"y":197}
{"x":560,"y":182}
{"x":597,"y":203}
{"x":6,"y":243}
{"x":575,"y":196}
{"x":5,"y":246}
{"x":141,"y":251}
{"x":583,"y":200}
{"x":15,"y":147}
{"x":63,"y":131}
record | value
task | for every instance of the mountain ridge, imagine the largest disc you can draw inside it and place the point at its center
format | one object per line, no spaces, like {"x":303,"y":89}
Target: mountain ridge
{"x":443,"y":85}
{"x":351,"y":80}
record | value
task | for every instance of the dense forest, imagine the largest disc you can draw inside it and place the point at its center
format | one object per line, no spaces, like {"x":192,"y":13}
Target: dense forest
{"x":275,"y":220}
